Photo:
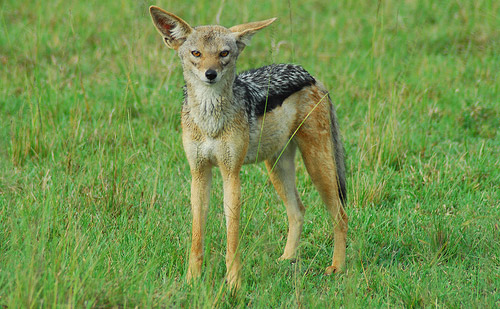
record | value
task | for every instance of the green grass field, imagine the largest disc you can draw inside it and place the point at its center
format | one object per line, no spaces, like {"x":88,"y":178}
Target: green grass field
{"x":94,"y":185}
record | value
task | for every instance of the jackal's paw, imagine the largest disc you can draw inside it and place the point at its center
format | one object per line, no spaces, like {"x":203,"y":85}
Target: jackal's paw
{"x":332,"y":270}
{"x":189,"y":278}
{"x":285,"y":257}
{"x":234,"y":283}
{"x":192,"y":275}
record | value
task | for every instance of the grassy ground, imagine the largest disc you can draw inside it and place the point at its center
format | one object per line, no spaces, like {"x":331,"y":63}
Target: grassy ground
{"x":94,"y":186}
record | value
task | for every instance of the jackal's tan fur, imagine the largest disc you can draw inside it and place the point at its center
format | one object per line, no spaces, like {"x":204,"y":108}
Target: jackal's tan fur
{"x":224,"y":125}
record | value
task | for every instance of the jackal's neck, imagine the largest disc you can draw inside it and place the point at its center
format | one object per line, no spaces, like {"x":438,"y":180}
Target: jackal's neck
{"x":211,"y":106}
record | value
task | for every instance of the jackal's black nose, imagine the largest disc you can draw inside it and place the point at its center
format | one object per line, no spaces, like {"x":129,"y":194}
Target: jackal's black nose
{"x":211,"y":74}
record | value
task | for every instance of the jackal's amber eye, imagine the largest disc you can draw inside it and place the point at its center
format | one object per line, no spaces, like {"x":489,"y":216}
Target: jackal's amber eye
{"x":224,"y":53}
{"x":196,"y":53}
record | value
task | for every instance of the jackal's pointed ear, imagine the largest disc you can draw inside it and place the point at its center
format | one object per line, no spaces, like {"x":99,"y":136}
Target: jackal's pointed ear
{"x":244,"y":32}
{"x":173,"y":29}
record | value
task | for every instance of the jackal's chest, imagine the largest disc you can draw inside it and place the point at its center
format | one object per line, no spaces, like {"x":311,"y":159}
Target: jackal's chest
{"x":216,"y":151}
{"x":227,"y":146}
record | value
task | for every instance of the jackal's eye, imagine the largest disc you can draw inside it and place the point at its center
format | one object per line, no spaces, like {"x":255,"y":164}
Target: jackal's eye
{"x":224,"y":53}
{"x":196,"y":53}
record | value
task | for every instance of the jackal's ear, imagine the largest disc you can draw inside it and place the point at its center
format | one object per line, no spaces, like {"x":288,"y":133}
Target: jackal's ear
{"x":173,"y":29}
{"x":244,"y":32}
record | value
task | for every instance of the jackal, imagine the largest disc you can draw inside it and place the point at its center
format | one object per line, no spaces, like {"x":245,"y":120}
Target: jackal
{"x":263,"y":114}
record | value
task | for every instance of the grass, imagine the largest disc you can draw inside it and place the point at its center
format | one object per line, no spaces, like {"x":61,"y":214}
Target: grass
{"x":94,"y":186}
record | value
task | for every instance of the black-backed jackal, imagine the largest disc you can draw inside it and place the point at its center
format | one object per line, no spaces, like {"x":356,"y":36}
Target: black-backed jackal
{"x":260,"y":115}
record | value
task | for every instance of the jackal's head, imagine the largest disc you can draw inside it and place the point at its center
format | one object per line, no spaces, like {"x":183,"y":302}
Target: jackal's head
{"x":207,"y":52}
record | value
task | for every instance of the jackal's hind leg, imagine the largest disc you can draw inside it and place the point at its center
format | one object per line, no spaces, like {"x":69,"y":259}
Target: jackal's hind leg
{"x":319,"y":159}
{"x":283,"y":178}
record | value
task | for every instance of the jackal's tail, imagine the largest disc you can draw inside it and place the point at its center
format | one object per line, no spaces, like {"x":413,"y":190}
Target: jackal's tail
{"x":339,"y":154}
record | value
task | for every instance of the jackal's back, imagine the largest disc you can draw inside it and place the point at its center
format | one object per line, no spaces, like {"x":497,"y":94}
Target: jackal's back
{"x":266,"y":88}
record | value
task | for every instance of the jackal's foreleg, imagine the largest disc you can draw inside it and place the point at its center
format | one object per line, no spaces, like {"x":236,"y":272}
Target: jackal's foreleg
{"x":232,"y":194}
{"x":200,"y":196}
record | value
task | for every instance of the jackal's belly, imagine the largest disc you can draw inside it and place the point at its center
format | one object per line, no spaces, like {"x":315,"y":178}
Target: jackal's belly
{"x":270,"y":133}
